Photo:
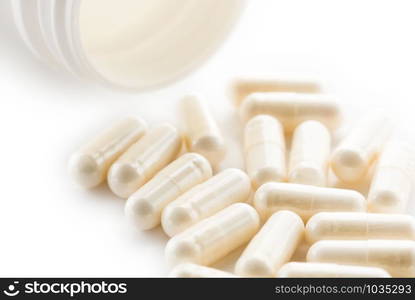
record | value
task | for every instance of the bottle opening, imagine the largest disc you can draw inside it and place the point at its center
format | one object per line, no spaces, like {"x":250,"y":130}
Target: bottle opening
{"x":139,"y":43}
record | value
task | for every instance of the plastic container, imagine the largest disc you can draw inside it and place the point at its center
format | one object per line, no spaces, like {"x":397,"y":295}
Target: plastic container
{"x":133,"y":44}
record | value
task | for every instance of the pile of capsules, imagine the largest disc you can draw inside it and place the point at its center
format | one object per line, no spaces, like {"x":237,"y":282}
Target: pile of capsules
{"x":208,"y":216}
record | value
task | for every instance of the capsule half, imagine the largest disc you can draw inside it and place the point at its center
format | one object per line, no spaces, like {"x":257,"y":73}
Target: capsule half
{"x":188,"y":270}
{"x":264,"y":146}
{"x":243,"y":86}
{"x":272,"y":246}
{"x":144,"y":159}
{"x":89,"y":165}
{"x":204,"y":200}
{"x":144,"y":207}
{"x":355,"y":154}
{"x":292,"y":109}
{"x":392,"y":182}
{"x":396,"y":257}
{"x":310,"y":154}
{"x":306,"y":200}
{"x":325,"y":270}
{"x":202,"y":134}
{"x":213,"y":238}
{"x":360,"y":226}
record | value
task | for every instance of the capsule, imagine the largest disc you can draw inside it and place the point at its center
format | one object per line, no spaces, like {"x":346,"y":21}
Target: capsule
{"x":213,"y":238}
{"x":144,"y":159}
{"x":324,"y":270}
{"x":89,"y":165}
{"x":360,"y":148}
{"x":244,"y":86}
{"x":306,"y":200}
{"x":360,"y":226}
{"x":206,"y":199}
{"x":144,"y":207}
{"x":272,"y":246}
{"x":396,"y":257}
{"x":188,"y":270}
{"x":392,"y":182}
{"x":202,"y":132}
{"x":292,"y":109}
{"x":264,"y":150}
{"x":309,"y":154}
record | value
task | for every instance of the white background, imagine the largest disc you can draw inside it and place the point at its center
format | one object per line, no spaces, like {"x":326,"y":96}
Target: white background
{"x":363,"y":49}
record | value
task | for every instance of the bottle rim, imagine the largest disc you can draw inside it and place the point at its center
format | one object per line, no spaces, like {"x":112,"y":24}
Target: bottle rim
{"x":51,"y":29}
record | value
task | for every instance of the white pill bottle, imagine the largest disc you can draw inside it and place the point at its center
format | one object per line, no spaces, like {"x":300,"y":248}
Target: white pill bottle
{"x":131,"y":44}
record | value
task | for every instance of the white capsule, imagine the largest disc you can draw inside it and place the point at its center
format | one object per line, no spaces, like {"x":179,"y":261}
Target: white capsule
{"x":292,"y":109}
{"x":213,"y":238}
{"x":361,"y":146}
{"x":202,"y":132}
{"x":324,"y":270}
{"x":264,"y":145}
{"x":89,"y":165}
{"x":392,"y":182}
{"x":244,"y":86}
{"x":188,"y":270}
{"x":144,"y":159}
{"x":396,"y":257}
{"x":206,"y":199}
{"x":306,"y":200}
{"x":144,"y":207}
{"x":272,"y":246}
{"x":309,"y":154}
{"x":360,"y":226}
